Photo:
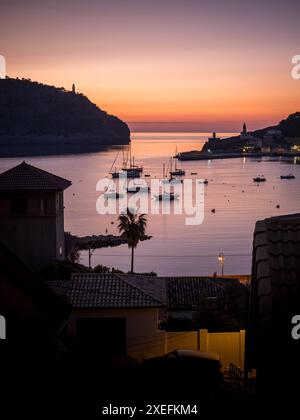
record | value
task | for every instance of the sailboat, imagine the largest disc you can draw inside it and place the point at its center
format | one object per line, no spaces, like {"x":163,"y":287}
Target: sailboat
{"x":259,"y":179}
{"x":167,"y":196}
{"x":171,"y":196}
{"x":137,"y":187}
{"x":177,"y":171}
{"x":171,"y":178}
{"x":112,"y":194}
{"x":132,"y":166}
{"x":125,"y":172}
{"x":289,"y":176}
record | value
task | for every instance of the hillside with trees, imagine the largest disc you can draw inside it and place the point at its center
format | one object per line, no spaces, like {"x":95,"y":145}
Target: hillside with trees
{"x":36,"y":115}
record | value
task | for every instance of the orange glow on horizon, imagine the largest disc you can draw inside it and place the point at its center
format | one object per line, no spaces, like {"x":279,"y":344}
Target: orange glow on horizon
{"x":157,"y":64}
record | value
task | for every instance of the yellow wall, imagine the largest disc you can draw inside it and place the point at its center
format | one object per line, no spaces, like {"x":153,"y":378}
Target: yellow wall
{"x":229,"y":345}
{"x":182,"y":340}
{"x":144,"y":340}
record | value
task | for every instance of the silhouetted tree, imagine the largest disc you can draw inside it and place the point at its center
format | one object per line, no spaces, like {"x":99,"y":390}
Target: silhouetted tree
{"x":132,"y":226}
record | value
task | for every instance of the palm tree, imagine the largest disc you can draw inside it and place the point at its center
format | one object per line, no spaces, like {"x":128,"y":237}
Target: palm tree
{"x":132,"y":226}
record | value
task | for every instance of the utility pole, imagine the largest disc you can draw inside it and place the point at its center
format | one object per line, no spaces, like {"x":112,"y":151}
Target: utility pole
{"x":90,"y":253}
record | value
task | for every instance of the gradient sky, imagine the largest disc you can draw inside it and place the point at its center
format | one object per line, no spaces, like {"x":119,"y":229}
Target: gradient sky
{"x":162,"y":64}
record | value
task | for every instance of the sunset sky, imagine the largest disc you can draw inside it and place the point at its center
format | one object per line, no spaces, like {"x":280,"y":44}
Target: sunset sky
{"x":162,"y":64}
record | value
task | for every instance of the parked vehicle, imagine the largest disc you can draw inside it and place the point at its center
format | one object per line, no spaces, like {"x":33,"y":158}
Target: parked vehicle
{"x":188,"y":371}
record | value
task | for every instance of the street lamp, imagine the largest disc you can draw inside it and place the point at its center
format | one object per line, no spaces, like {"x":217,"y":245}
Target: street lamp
{"x":221,"y":260}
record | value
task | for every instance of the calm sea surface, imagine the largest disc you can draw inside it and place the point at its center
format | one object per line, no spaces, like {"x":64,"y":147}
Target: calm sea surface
{"x":178,"y":249}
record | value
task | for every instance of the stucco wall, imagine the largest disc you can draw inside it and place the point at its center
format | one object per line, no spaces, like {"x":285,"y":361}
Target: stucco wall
{"x":143,"y":337}
{"x":144,"y":340}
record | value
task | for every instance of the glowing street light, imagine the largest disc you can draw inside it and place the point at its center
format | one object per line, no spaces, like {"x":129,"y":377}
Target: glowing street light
{"x":221,"y":260}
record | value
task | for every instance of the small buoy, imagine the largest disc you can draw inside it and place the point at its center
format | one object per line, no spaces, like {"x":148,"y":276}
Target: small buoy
{"x":213,"y":210}
{"x":73,"y":193}
{"x":278,"y":206}
{"x":243,"y":191}
{"x":112,"y":223}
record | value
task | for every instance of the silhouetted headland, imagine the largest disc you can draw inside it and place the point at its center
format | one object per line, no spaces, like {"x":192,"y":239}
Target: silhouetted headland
{"x":282,"y":139}
{"x":41,"y":119}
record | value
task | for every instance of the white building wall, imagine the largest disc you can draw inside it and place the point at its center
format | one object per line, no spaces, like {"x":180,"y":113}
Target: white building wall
{"x":143,"y":337}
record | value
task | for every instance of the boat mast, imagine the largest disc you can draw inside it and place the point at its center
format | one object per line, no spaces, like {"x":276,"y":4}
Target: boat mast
{"x":114,"y":162}
{"x":123,"y":156}
{"x":130,"y":161}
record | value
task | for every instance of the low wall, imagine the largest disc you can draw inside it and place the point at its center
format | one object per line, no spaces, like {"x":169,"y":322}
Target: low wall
{"x":230,"y":346}
{"x":183,"y":340}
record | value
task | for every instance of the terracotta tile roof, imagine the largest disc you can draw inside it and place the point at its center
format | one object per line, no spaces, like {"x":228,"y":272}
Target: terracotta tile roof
{"x":178,"y":293}
{"x":26,"y":177}
{"x":175,"y":293}
{"x":275,"y":285}
{"x":151,"y":285}
{"x":95,"y":290}
{"x":184,"y":292}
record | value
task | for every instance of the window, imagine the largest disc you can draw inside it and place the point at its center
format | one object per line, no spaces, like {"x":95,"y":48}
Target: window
{"x":19,"y":205}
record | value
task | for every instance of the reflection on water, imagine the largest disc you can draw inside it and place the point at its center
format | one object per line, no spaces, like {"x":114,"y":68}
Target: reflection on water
{"x":176,"y":248}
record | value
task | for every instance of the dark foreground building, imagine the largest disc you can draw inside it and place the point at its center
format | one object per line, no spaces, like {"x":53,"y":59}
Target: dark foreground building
{"x":274,"y":301}
{"x":32,"y":214}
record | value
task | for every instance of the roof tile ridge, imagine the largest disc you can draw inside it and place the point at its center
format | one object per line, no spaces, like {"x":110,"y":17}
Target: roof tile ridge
{"x":140,"y":291}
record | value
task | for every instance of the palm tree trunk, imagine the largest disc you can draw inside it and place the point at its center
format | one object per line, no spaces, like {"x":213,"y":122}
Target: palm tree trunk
{"x":132,"y":258}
